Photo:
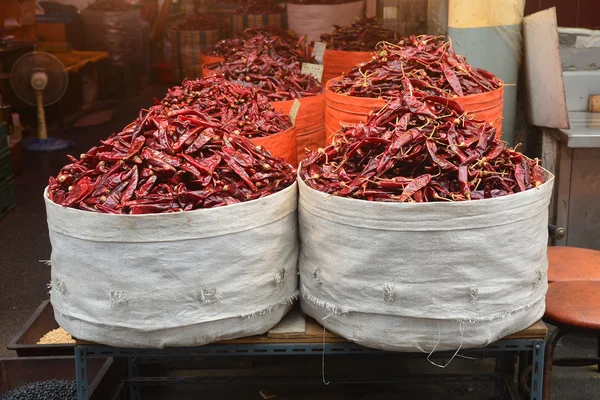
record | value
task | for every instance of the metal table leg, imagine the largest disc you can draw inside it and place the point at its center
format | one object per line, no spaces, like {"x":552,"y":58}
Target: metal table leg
{"x":537,"y":370}
{"x":81,"y":372}
{"x":133,"y":372}
{"x":501,"y":364}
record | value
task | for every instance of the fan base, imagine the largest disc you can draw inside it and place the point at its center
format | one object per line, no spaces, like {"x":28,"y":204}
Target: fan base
{"x":49,"y":144}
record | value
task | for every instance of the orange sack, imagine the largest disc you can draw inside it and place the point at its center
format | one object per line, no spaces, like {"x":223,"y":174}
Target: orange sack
{"x":208,"y":72}
{"x":338,"y":62}
{"x":282,"y":144}
{"x":310,"y":122}
{"x":485,"y":106}
{"x":206,"y":59}
{"x":342,"y":110}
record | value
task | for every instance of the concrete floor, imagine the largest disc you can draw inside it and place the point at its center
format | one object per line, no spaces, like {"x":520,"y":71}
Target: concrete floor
{"x":24,"y":245}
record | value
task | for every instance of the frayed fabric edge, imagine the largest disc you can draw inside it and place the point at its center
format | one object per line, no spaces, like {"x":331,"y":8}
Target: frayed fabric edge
{"x":336,"y":310}
{"x":273,"y":306}
{"x":503,"y":315}
{"x":323,"y":304}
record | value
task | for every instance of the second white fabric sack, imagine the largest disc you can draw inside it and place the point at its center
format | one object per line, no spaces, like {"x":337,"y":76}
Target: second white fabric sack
{"x":424,"y":276}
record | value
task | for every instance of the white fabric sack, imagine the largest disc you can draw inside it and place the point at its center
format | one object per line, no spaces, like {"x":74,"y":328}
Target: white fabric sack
{"x":424,"y":276}
{"x":178,"y":279}
{"x":313,"y":20}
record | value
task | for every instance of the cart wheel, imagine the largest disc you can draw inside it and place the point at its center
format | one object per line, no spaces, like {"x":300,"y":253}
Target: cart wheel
{"x":525,"y":382}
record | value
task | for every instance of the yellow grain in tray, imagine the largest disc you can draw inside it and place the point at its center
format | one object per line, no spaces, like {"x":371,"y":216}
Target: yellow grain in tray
{"x":56,"y":336}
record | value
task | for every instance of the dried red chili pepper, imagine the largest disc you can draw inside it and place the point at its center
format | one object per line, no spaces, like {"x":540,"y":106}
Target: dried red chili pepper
{"x":167,"y":161}
{"x":428,"y":63}
{"x":362,"y":35}
{"x":216,"y":103}
{"x":273,"y":39}
{"x":275,"y":71}
{"x":423,"y":151}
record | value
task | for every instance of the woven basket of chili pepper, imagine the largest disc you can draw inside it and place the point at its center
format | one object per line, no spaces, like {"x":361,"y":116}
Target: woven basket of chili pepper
{"x":224,"y":10}
{"x":430,"y":65}
{"x":421,"y":231}
{"x":189,"y":37}
{"x":274,"y":39}
{"x":313,"y":18}
{"x":352,"y":44}
{"x":216,"y":259}
{"x":256,"y":14}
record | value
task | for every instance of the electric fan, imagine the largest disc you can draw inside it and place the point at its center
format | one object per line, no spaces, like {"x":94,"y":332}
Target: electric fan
{"x":40,"y":79}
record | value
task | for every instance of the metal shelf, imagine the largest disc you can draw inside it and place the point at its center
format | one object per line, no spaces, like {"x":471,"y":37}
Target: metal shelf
{"x":497,"y":350}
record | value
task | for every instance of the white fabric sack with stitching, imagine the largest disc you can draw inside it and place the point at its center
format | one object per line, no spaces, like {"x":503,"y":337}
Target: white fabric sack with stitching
{"x":424,"y":276}
{"x":179,"y":279}
{"x":313,"y":20}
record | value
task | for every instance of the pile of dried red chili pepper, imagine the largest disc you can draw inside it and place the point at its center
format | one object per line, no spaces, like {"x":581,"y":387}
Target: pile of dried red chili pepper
{"x":428,"y":62}
{"x":234,"y":108}
{"x":180,"y":155}
{"x":273,"y":40}
{"x":259,"y":7}
{"x":274,"y":73}
{"x":362,"y":35}
{"x":110,"y":5}
{"x":226,"y":47}
{"x":199,"y":22}
{"x":423,"y":150}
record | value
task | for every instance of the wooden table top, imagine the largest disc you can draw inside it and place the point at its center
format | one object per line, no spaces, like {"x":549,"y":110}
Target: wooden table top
{"x":296,"y":327}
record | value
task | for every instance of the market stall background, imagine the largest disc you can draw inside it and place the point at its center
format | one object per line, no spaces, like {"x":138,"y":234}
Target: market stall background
{"x":131,"y":78}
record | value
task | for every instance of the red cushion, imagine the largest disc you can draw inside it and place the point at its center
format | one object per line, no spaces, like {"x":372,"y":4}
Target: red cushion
{"x":573,"y":264}
{"x":574,"y":303}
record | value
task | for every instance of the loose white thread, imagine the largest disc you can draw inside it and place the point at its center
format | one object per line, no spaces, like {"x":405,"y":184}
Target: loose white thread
{"x":466,"y":357}
{"x":273,"y":306}
{"x":500,"y":316}
{"x":47,"y":262}
{"x":323,"y":355}
{"x":57,"y":285}
{"x":323,"y":304}
{"x":460,"y":327}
